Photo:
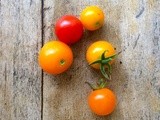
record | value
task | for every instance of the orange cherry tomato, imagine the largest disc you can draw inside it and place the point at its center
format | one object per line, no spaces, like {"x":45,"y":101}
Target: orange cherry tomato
{"x":102,"y":101}
{"x":92,"y":18}
{"x":95,"y":51}
{"x":55,"y":57}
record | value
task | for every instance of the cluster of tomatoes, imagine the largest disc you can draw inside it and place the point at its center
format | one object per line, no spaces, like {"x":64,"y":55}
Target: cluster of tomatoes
{"x":56,"y":56}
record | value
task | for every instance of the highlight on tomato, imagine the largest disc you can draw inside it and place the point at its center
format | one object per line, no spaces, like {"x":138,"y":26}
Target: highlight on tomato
{"x":55,"y":57}
{"x":100,"y":55}
{"x":92,"y":18}
{"x":101,"y":101}
{"x":69,"y":29}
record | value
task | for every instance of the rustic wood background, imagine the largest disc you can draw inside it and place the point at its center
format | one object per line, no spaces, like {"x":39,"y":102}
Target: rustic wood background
{"x":26,"y":93}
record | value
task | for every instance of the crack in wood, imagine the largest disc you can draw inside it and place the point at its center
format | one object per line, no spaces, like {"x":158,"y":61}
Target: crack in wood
{"x":136,"y":42}
{"x":46,"y":8}
{"x":155,"y":26}
{"x":5,"y":77}
{"x":42,"y":40}
{"x":140,"y":13}
{"x":31,"y":1}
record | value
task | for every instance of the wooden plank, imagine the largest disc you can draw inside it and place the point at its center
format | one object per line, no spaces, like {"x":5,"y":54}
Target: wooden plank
{"x":133,"y":26}
{"x":20,"y":76}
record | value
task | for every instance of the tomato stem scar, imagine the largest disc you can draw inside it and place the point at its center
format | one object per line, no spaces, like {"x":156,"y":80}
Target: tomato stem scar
{"x":97,"y":24}
{"x":62,"y":62}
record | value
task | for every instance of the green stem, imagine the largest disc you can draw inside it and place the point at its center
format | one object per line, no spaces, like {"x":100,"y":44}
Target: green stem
{"x":91,"y":86}
{"x":105,"y":61}
{"x":100,"y":85}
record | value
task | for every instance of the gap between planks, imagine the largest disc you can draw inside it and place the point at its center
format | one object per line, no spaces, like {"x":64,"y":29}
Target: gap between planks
{"x":42,"y":42}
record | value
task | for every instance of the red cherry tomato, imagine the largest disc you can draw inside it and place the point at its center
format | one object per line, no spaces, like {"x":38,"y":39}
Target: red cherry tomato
{"x":69,"y":29}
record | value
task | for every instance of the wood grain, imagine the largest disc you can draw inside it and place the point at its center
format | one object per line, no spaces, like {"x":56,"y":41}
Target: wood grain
{"x":132,"y":26}
{"x":20,"y":76}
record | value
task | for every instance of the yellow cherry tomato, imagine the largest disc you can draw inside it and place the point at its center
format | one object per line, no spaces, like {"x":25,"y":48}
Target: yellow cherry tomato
{"x":55,"y":57}
{"x":92,"y":18}
{"x":95,"y":51}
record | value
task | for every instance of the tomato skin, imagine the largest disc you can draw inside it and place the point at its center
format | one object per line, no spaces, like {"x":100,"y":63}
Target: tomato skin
{"x":55,"y":57}
{"x":95,"y":51}
{"x":92,"y":18}
{"x":102,"y":101}
{"x":69,"y":29}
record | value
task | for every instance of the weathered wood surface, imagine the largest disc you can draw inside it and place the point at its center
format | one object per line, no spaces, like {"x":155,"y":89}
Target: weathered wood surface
{"x":133,"y":26}
{"x":20,"y":76}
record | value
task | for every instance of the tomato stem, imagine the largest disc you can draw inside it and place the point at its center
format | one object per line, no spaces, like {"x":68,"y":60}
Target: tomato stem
{"x":92,"y":86}
{"x":105,"y":61}
{"x":100,"y":84}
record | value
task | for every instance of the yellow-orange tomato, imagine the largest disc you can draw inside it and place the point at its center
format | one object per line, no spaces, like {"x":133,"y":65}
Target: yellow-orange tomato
{"x":55,"y":57}
{"x":92,"y":18}
{"x":95,"y":51}
{"x":102,"y":101}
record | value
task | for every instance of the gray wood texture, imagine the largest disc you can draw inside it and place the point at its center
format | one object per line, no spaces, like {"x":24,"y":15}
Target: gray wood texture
{"x":20,"y":76}
{"x":132,"y":26}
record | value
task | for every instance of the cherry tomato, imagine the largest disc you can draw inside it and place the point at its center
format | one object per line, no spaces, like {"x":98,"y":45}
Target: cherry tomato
{"x":55,"y":57}
{"x":92,"y":18}
{"x":69,"y":29}
{"x":95,"y":51}
{"x":102,"y":101}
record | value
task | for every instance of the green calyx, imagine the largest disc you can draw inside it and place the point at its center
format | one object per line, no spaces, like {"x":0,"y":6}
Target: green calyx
{"x":105,"y":62}
{"x":100,"y":84}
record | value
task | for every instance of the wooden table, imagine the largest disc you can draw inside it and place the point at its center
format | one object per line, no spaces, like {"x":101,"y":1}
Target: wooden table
{"x":26,"y":93}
